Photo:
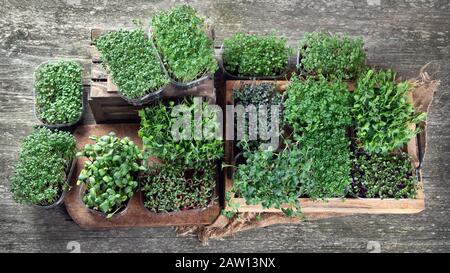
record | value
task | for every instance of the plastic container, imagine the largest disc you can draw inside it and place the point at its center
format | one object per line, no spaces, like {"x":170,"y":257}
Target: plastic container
{"x":36,"y":115}
{"x":60,"y":200}
{"x":298,"y":64}
{"x":231,"y":76}
{"x":146,"y":99}
{"x":214,"y":195}
{"x":121,"y":211}
{"x":180,"y":85}
{"x":59,"y":126}
{"x":420,"y":157}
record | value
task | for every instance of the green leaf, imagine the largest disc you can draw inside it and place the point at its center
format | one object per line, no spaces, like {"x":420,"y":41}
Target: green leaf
{"x":40,"y":173}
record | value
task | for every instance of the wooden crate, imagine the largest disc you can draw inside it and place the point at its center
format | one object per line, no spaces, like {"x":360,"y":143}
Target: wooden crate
{"x":135,"y":214}
{"x":332,"y":207}
{"x":108,"y":106}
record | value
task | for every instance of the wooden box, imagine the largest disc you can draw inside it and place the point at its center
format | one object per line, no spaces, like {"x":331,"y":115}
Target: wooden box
{"x":106,"y":104}
{"x":335,"y":206}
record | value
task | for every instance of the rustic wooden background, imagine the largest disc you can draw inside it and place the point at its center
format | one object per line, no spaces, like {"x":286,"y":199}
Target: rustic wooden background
{"x":402,"y":34}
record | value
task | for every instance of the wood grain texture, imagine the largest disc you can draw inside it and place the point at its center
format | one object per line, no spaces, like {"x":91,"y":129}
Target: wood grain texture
{"x":403,"y":35}
{"x":107,"y":104}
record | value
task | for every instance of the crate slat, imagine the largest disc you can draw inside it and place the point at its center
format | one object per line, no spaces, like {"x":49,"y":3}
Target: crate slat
{"x":110,"y":86}
{"x":95,"y":54}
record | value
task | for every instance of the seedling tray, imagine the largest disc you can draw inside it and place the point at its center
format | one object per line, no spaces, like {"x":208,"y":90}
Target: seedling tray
{"x":230,"y":76}
{"x":135,"y":214}
{"x":334,"y":207}
{"x":108,"y":105}
{"x":60,"y":126}
{"x":69,"y":175}
{"x":183,"y":85}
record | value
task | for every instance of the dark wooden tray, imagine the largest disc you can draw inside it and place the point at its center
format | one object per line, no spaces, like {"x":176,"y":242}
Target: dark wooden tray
{"x":135,"y":214}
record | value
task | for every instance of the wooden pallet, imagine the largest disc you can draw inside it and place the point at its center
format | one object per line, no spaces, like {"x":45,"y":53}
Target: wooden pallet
{"x":135,"y":214}
{"x":107,"y":105}
{"x":333,"y":207}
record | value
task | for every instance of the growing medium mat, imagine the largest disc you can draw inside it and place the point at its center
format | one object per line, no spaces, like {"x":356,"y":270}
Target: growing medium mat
{"x":135,"y":214}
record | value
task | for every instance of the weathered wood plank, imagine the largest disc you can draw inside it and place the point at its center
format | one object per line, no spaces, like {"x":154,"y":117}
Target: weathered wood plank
{"x":107,"y":105}
{"x":95,"y":54}
{"x":98,"y":73}
{"x":110,"y":86}
{"x":403,"y":35}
